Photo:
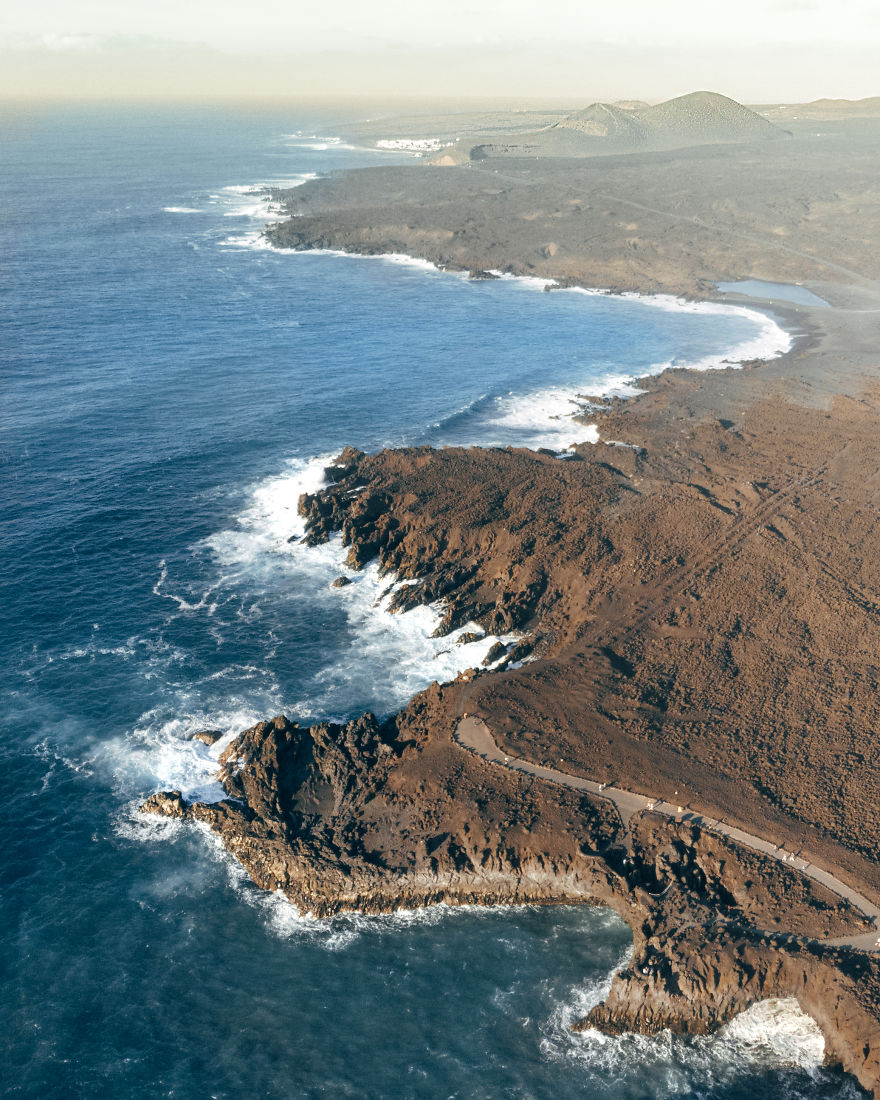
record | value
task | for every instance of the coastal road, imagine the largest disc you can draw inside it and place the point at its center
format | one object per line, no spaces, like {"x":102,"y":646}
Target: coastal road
{"x":474,"y":735}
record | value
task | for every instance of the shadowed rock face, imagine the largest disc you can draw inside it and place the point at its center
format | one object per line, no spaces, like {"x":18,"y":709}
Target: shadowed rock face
{"x":476,"y":549}
{"x":368,"y":798}
{"x":705,"y":616}
{"x":696,"y":979}
{"x":380,"y":816}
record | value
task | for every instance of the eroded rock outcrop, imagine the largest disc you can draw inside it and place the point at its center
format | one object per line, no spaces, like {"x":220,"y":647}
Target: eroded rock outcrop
{"x":461,"y":522}
{"x":377,"y":815}
{"x":695,"y":979}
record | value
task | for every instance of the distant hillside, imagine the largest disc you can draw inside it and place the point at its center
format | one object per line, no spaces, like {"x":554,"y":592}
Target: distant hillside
{"x":705,"y":118}
{"x":822,"y":110}
{"x":700,"y":118}
{"x":606,"y":120}
{"x":846,"y":107}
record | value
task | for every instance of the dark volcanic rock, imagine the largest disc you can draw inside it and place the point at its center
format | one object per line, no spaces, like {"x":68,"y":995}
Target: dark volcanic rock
{"x":697,"y":979}
{"x":380,"y":815}
{"x":319,"y":813}
{"x":615,"y":221}
{"x":341,"y":582}
{"x":498,"y":649}
{"x":656,"y":584}
{"x":207,"y":737}
{"x":455,"y":520}
{"x":166,"y":804}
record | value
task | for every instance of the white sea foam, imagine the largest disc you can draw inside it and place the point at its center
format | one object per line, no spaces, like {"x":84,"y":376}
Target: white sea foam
{"x":253,"y":240}
{"x":779,"y":1026}
{"x":280,"y":916}
{"x":541,"y":419}
{"x":146,"y":653}
{"x":318,"y":142}
{"x":388,"y":657}
{"x":769,"y":342}
{"x":404,"y":260}
{"x":203,"y":603}
{"x":534,"y":281}
{"x":544,"y":418}
{"x":401,"y":650}
{"x":252,"y":200}
{"x":166,"y":748}
{"x":411,"y":145}
{"x":557,"y":405}
{"x":392,"y":656}
{"x":159,"y":753}
{"x":772,"y":1034}
{"x":131,"y":824}
{"x":182,"y":210}
{"x":401,"y":259}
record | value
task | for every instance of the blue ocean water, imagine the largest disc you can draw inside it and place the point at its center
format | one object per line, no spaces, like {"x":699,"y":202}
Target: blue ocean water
{"x":166,"y":386}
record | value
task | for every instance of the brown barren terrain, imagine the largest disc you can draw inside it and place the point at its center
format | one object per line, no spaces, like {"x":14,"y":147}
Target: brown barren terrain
{"x":701,"y":607}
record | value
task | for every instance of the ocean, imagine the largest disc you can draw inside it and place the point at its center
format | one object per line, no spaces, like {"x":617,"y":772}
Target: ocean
{"x":169,"y":386}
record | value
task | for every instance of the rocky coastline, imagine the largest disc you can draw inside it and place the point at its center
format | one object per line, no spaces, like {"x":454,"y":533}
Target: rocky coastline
{"x":379,"y":815}
{"x":698,"y":620}
{"x":376,"y":816}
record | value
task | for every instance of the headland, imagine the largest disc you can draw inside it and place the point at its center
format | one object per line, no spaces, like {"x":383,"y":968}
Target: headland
{"x":697,"y":597}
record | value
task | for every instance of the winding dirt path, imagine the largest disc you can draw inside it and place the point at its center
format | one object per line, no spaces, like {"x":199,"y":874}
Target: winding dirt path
{"x":474,"y":735}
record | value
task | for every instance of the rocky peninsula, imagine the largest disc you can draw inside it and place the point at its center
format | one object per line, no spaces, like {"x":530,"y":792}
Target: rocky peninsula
{"x":699,"y":609}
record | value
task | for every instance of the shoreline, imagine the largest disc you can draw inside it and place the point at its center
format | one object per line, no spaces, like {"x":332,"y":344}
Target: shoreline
{"x":609,"y":392}
{"x":800,"y":331}
{"x":731,"y":493}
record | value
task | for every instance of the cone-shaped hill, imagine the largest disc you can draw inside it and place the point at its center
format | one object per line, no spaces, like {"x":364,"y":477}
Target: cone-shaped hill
{"x":705,"y":118}
{"x":605,"y":120}
{"x":699,"y":118}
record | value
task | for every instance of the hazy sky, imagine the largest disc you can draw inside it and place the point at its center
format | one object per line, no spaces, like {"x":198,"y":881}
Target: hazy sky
{"x":753,"y":49}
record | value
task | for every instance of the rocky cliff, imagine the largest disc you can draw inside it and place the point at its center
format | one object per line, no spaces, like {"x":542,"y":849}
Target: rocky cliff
{"x":701,"y":612}
{"x":380,"y":815}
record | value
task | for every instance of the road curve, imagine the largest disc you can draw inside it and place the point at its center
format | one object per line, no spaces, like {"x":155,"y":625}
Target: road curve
{"x":474,"y":735}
